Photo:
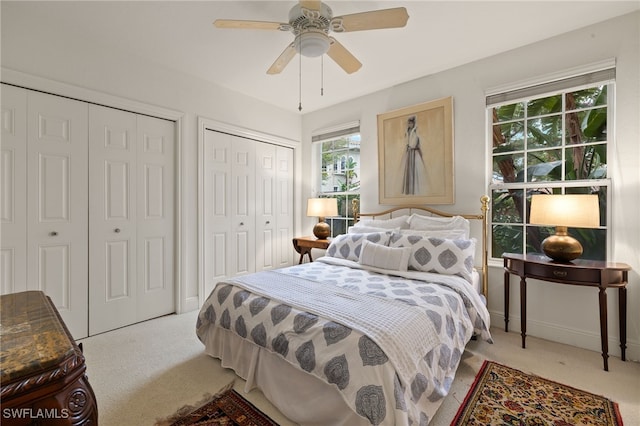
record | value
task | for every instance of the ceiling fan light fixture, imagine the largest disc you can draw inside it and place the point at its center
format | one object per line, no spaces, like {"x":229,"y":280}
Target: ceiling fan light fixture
{"x":312,"y":43}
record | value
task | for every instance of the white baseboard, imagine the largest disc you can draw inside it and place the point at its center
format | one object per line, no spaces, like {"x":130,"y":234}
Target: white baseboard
{"x":585,"y":339}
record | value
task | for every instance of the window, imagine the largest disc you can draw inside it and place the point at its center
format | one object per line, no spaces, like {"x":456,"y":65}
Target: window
{"x":549,"y":139}
{"x":338,"y":171}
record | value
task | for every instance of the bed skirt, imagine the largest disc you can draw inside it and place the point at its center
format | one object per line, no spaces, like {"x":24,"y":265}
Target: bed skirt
{"x":301,"y":397}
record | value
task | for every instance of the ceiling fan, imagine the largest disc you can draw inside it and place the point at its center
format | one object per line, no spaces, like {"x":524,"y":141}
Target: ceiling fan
{"x":311,"y":21}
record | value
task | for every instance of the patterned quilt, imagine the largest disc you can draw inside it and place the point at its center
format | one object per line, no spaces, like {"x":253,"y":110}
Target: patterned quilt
{"x":340,"y":351}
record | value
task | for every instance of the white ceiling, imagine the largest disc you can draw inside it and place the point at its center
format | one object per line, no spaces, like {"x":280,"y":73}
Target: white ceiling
{"x":439,"y":35}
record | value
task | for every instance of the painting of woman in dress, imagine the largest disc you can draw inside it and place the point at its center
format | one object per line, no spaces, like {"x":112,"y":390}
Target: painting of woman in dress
{"x":415,"y":154}
{"x":412,"y":161}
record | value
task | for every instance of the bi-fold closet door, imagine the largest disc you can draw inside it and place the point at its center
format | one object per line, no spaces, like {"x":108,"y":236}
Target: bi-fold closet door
{"x":131,"y":218}
{"x":64,"y":195}
{"x":248,"y":206}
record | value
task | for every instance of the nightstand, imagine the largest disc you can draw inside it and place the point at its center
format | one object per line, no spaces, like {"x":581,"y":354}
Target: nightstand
{"x":591,"y":273}
{"x":303,"y":245}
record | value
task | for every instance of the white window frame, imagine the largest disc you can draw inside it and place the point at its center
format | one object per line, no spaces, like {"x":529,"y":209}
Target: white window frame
{"x":317,"y":138}
{"x":569,"y":80}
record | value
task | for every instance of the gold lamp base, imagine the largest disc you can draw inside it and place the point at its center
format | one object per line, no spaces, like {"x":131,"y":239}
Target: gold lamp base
{"x":561,"y":247}
{"x":322,"y":230}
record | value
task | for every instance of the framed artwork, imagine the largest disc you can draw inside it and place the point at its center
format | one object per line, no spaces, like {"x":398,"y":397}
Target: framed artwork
{"x":415,"y":154}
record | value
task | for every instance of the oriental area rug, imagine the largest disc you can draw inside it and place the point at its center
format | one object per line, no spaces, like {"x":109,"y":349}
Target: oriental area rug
{"x":501,"y":395}
{"x":226,"y":408}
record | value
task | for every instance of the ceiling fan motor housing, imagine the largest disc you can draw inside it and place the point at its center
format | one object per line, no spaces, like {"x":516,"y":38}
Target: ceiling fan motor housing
{"x":311,"y":28}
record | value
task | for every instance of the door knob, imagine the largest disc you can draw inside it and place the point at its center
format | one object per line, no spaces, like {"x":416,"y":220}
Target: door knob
{"x":241,"y":223}
{"x":117,"y":230}
{"x":268,"y":222}
{"x":53,"y":233}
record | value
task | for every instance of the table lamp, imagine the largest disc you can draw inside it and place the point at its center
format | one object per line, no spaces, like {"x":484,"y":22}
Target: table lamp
{"x":564,"y":211}
{"x":322,"y":207}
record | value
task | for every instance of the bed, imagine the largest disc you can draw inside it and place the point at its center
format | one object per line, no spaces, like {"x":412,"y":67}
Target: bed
{"x":369,"y":334}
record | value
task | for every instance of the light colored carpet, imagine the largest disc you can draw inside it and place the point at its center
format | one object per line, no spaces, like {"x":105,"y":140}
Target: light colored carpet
{"x":147,"y":371}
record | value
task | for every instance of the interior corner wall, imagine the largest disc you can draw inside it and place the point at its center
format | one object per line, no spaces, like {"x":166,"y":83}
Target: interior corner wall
{"x":47,"y":58}
{"x":567,"y":314}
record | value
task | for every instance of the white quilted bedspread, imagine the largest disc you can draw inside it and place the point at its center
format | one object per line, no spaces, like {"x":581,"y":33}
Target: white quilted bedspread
{"x":373,"y":378}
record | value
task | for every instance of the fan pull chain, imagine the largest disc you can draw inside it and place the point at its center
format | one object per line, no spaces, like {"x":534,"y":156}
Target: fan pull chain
{"x":322,"y":75}
{"x":300,"y":84}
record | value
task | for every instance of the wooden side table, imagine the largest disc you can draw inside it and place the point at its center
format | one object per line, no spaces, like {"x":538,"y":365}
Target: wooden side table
{"x":591,"y":273}
{"x":303,"y":245}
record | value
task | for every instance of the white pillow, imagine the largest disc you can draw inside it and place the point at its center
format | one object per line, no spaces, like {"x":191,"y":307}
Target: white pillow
{"x":440,"y":255}
{"x":368,"y":229}
{"x":348,"y":246}
{"x":432,"y":223}
{"x":451,"y":234}
{"x":396,"y":222}
{"x":384,"y":257}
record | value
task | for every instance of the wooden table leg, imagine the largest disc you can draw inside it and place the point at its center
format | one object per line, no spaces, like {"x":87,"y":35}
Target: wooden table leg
{"x":523,"y":310}
{"x":622,"y":312}
{"x":304,"y":251}
{"x":506,"y":301}
{"x":604,"y":335}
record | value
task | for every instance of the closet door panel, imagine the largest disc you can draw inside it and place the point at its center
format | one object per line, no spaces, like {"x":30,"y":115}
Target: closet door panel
{"x":284,"y":206}
{"x":13,"y":187}
{"x":155,"y":219}
{"x":265,"y":206}
{"x":218,"y":253}
{"x":242,"y":206}
{"x":57,"y":188}
{"x":112,"y":215}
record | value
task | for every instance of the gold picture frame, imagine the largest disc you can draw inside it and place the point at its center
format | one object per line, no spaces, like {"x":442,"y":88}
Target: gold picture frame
{"x":415,"y":154}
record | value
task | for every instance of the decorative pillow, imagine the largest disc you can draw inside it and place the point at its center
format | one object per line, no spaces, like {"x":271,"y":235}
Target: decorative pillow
{"x":432,"y":223}
{"x":440,"y":255}
{"x":348,"y":246}
{"x":451,"y":234}
{"x":401,"y":222}
{"x":384,"y":257}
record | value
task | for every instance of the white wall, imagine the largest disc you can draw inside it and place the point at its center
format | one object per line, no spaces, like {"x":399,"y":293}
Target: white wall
{"x":566,"y":314}
{"x":47,"y":59}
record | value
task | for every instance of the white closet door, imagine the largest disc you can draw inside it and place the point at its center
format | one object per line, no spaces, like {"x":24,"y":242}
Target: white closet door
{"x":13,"y":187}
{"x":155,"y":225}
{"x":217,"y":208}
{"x":266,"y":247}
{"x":229,"y":210}
{"x":112,"y":214}
{"x":284,"y":206}
{"x":57,"y":190}
{"x":243,"y":229}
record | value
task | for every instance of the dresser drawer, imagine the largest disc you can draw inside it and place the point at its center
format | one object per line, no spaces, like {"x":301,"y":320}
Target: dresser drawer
{"x":562,"y":273}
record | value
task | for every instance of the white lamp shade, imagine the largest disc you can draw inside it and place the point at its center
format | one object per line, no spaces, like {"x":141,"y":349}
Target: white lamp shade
{"x":570,"y":210}
{"x":322,"y":207}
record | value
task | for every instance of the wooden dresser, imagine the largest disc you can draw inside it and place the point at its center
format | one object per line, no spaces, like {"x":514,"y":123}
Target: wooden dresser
{"x":42,"y":368}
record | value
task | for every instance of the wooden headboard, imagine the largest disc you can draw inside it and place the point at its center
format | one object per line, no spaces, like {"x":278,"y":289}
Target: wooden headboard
{"x":410,"y":209}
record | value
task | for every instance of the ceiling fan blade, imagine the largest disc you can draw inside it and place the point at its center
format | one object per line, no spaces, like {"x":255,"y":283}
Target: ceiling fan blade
{"x":372,"y":20}
{"x":282,"y":61}
{"x":343,"y":57}
{"x":310,"y":4}
{"x":250,"y":25}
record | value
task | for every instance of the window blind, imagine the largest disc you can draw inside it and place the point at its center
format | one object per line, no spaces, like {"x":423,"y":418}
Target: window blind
{"x":335,"y":132}
{"x":592,"y":78}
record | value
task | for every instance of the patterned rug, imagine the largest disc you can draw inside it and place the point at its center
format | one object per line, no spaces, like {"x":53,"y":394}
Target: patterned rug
{"x":501,"y":395}
{"x":226,"y":408}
